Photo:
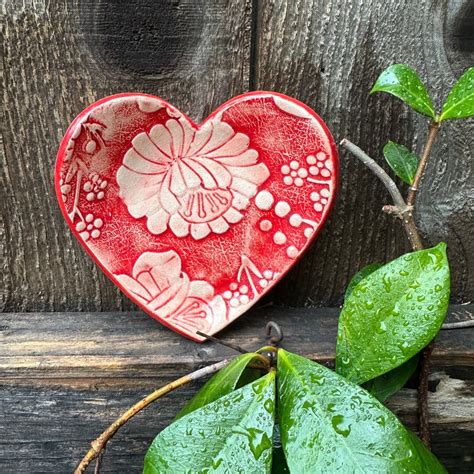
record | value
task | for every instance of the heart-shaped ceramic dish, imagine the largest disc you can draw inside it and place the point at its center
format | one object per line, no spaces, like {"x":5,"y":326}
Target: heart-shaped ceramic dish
{"x":195,"y":223}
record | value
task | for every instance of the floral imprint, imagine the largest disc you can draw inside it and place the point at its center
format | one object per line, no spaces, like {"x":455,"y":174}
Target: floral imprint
{"x":191,"y":181}
{"x":159,"y":283}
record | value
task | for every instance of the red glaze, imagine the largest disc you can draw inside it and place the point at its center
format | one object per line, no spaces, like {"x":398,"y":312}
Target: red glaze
{"x":195,"y":223}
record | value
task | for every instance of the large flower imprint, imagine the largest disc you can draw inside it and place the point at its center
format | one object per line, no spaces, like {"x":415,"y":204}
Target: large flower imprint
{"x":159,"y":284}
{"x":190,"y":181}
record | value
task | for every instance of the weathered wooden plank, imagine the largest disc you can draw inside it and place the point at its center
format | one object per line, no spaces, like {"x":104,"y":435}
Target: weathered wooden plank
{"x":78,"y":345}
{"x":64,"y":377}
{"x":47,"y":426}
{"x":328,"y":54}
{"x":59,"y":57}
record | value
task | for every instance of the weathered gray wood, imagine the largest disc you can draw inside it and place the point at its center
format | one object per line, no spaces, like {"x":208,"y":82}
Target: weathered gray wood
{"x":45,"y":345}
{"x":328,"y":54}
{"x":60,"y":56}
{"x":65,"y":376}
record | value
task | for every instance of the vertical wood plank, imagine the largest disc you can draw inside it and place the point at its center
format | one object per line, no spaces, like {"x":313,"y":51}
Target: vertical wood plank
{"x":328,"y":54}
{"x":59,"y":57}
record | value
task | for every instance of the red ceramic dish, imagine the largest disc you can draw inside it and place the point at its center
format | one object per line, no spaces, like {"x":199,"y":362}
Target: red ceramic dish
{"x":195,"y":223}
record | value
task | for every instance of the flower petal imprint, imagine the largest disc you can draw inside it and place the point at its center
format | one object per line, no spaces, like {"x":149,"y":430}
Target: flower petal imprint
{"x":190,"y":181}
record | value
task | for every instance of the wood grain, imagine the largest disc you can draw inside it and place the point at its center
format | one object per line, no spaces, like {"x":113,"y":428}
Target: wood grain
{"x":78,"y":345}
{"x":65,"y":376}
{"x":61,"y":56}
{"x":328,"y":54}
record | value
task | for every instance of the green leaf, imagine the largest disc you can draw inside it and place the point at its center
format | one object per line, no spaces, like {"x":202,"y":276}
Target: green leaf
{"x":331,"y":425}
{"x":360,"y":275}
{"x":460,"y":101}
{"x":232,"y":434}
{"x":392,"y":314}
{"x":222,"y":383}
{"x":387,"y":384}
{"x":403,"y":82}
{"x":402,"y":161}
{"x":430,"y":461}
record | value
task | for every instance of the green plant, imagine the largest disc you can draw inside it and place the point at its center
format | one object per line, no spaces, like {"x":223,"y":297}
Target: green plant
{"x":403,"y":82}
{"x":328,"y":420}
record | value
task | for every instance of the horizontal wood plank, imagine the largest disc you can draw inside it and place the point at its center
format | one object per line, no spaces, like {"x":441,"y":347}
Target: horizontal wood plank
{"x":74,"y":345}
{"x":65,"y":376}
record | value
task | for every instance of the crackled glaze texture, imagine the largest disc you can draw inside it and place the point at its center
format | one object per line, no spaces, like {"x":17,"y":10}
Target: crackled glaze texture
{"x":196,"y":223}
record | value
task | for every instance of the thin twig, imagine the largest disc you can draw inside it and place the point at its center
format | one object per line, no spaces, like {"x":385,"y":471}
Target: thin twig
{"x":378,"y":171}
{"x":98,"y":461}
{"x":459,"y":324}
{"x":400,"y":208}
{"x":235,"y":347}
{"x":99,"y":444}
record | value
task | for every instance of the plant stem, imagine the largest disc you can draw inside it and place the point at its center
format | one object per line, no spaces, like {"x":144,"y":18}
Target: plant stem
{"x":423,"y":415}
{"x":99,"y":444}
{"x":433,"y":132}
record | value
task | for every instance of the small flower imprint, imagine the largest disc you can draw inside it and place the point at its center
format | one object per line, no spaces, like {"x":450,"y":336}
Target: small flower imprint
{"x":320,"y":199}
{"x":239,"y":292}
{"x":320,"y":165}
{"x":191,"y":181}
{"x":294,"y":174}
{"x":89,"y":227}
{"x":64,"y":187}
{"x":318,"y":170}
{"x":95,"y":187}
{"x":158,"y":282}
{"x":237,"y":295}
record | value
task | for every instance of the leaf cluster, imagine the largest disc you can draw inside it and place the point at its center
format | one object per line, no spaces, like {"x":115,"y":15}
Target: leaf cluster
{"x":304,"y":417}
{"x":403,"y":82}
{"x":327,"y":421}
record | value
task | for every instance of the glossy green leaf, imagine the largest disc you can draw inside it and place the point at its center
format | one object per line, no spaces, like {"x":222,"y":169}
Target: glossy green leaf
{"x":222,"y":383}
{"x":360,"y":275}
{"x":460,"y":101}
{"x":402,"y":161}
{"x":232,"y":434}
{"x":430,"y":461}
{"x":403,"y":82}
{"x":387,"y":384}
{"x":331,"y":425}
{"x":392,"y":314}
